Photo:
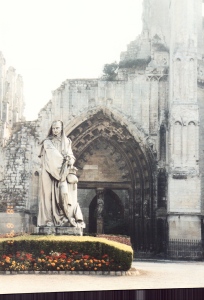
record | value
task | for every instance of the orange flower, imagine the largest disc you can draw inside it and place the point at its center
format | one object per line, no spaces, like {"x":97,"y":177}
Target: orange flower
{"x":52,"y":264}
{"x":95,"y":269}
{"x":7,"y":259}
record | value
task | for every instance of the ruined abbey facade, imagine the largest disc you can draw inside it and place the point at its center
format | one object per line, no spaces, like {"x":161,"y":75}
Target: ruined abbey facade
{"x":138,"y":138}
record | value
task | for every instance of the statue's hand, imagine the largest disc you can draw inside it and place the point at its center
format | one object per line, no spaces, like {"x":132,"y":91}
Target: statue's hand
{"x":72,"y":167}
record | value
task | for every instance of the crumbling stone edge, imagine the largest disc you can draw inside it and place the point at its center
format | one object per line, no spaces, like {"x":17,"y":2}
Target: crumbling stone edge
{"x":109,"y":273}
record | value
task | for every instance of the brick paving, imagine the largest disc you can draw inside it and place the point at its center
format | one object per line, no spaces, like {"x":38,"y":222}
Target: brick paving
{"x":149,"y":275}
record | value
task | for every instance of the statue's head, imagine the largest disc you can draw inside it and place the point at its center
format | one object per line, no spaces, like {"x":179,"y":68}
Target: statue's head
{"x":100,"y":202}
{"x":57,"y":127}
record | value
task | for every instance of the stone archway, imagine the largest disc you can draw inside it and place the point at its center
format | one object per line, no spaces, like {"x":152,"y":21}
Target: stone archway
{"x":113,"y":216}
{"x":109,"y":156}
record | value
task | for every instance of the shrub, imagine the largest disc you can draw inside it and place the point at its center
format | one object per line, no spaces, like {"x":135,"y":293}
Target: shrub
{"x":110,"y":71}
{"x":64,"y":253}
{"x":160,"y":47}
{"x":135,"y":63}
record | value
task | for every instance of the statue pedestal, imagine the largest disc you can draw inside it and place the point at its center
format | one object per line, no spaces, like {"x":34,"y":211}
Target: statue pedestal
{"x":69,"y":231}
{"x":59,"y":231}
{"x":99,"y":224}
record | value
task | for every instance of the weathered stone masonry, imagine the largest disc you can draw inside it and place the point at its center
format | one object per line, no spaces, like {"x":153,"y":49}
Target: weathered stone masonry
{"x":19,"y":187}
{"x":138,"y":138}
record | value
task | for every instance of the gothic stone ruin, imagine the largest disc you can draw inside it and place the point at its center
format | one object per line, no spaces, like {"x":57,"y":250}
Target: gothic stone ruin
{"x":137,"y":137}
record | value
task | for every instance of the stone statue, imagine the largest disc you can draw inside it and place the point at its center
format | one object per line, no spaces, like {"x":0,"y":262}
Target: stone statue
{"x":99,"y":214}
{"x":58,"y":193}
{"x":100,"y":208}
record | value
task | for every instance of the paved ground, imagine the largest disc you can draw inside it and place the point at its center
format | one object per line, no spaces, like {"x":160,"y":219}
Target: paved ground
{"x":151,"y":275}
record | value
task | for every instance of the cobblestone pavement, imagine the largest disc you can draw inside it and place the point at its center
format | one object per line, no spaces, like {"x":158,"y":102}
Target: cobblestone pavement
{"x":151,"y":275}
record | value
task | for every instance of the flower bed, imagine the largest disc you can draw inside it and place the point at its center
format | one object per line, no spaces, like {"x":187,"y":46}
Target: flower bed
{"x":72,"y":261}
{"x":117,"y":238}
{"x":63,"y":253}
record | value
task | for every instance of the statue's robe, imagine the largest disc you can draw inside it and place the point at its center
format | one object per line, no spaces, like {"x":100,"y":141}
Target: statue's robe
{"x":58,"y":200}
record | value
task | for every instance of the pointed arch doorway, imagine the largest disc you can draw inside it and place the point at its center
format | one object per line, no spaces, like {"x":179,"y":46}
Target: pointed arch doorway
{"x":109,"y":157}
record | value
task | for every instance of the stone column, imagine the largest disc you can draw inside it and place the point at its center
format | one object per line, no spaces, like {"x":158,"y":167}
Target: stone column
{"x":99,"y":211}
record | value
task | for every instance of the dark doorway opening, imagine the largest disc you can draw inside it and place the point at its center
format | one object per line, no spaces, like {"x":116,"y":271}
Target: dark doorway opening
{"x":114,"y":221}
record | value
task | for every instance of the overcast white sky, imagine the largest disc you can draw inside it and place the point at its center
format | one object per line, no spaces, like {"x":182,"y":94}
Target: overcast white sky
{"x":49,"y":41}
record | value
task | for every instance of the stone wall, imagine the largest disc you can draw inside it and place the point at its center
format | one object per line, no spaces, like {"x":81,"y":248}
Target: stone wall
{"x":184,"y":227}
{"x":11,"y":100}
{"x":201,"y":143}
{"x":184,"y":180}
{"x":19,"y":186}
{"x":156,"y":18}
{"x":129,"y":97}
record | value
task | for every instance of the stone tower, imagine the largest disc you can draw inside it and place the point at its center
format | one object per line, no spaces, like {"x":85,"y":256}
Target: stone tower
{"x":184,"y":136}
{"x":11,"y":100}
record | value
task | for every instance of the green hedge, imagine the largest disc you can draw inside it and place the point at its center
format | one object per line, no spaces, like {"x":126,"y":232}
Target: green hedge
{"x":64,"y":253}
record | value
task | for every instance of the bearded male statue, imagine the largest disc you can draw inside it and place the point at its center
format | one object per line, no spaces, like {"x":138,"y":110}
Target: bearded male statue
{"x":58,"y":191}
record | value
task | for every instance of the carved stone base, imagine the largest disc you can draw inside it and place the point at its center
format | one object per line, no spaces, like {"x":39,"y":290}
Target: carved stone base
{"x":69,"y":231}
{"x":59,"y":231}
{"x":99,"y":223}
